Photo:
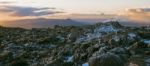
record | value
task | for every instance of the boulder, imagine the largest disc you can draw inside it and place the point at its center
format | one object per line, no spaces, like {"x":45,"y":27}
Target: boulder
{"x":107,"y":59}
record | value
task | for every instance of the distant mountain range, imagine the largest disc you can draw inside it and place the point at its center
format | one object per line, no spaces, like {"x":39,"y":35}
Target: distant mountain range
{"x":135,"y":24}
{"x":122,"y":22}
{"x":42,"y":23}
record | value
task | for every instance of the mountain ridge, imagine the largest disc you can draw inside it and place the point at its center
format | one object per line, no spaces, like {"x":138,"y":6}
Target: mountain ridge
{"x":42,"y":23}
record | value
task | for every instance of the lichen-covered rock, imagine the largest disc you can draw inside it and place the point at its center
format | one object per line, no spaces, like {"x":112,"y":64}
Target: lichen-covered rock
{"x":136,"y":60}
{"x":119,"y":50}
{"x":19,"y":62}
{"x":6,"y":56}
{"x":107,"y":59}
{"x":103,"y":44}
{"x":102,"y":50}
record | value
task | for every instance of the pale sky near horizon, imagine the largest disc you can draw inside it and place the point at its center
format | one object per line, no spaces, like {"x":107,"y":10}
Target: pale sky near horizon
{"x":84,"y":6}
{"x":134,"y":10}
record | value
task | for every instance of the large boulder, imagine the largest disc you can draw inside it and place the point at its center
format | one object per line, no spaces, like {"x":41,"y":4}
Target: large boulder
{"x":137,"y":60}
{"x":6,"y":56}
{"x":107,"y":59}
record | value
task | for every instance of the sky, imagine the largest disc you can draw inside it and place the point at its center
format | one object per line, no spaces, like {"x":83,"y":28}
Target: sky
{"x":125,"y":10}
{"x":84,"y":6}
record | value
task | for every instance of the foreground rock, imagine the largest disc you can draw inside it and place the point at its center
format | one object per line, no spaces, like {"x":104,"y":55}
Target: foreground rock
{"x":103,"y":44}
{"x":108,"y":59}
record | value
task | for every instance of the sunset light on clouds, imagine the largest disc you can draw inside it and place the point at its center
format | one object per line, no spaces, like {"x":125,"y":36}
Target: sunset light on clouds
{"x":128,"y":10}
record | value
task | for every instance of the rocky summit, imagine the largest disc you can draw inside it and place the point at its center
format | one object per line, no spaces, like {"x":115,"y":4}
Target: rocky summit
{"x":102,"y":44}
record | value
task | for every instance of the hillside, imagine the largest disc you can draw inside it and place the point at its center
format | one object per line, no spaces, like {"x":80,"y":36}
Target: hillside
{"x":101,"y":44}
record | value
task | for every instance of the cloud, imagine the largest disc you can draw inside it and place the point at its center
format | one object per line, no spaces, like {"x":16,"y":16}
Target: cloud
{"x":28,"y":11}
{"x":12,"y":12}
{"x":5,"y":2}
{"x":139,"y":14}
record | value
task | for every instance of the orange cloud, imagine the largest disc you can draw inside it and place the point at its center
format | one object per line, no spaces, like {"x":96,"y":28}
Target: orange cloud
{"x":7,"y":16}
{"x":139,"y":14}
{"x":11,"y":12}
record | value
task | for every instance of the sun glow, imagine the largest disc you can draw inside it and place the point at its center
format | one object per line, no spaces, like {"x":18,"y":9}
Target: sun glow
{"x":84,"y":6}
{"x":61,"y":9}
